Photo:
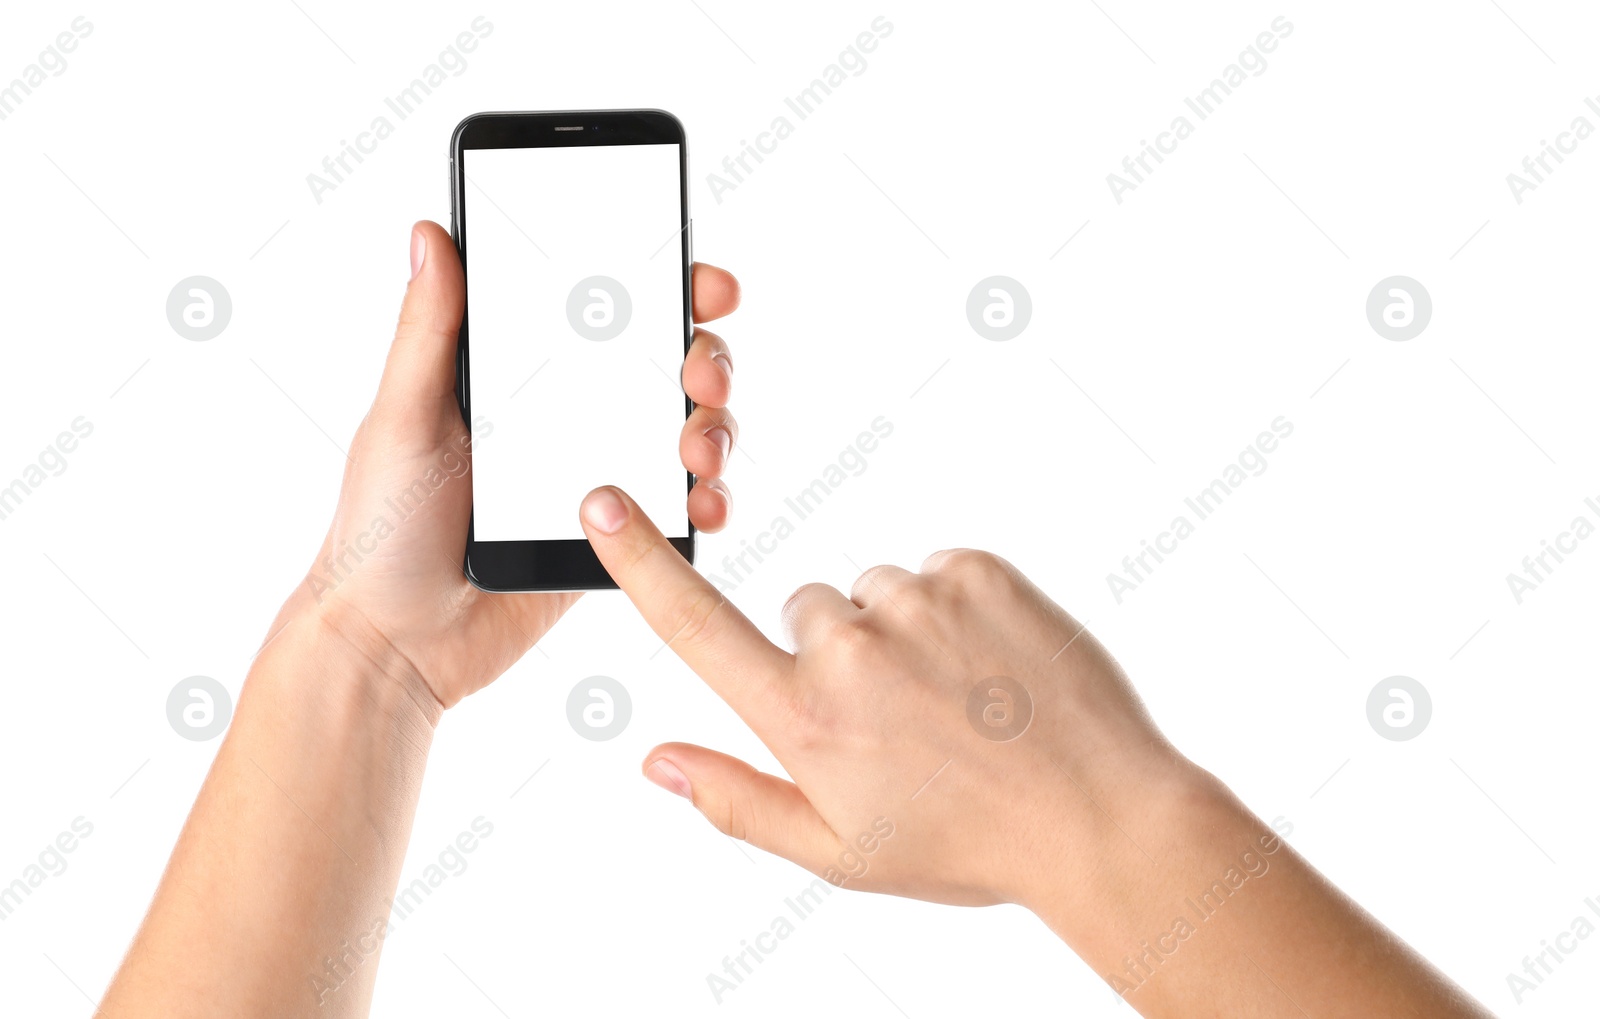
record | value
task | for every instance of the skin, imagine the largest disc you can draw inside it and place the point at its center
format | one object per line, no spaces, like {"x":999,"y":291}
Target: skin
{"x":1087,"y":816}
{"x":297,"y":836}
{"x":1090,"y":817}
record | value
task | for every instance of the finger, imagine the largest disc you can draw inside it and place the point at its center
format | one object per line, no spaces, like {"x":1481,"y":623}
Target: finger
{"x":812,"y":612}
{"x":692,"y":617}
{"x":878,"y":583}
{"x":708,"y":370}
{"x":716,"y":292}
{"x":768,"y":812}
{"x":710,"y":503}
{"x":421,"y":369}
{"x":707,"y":441}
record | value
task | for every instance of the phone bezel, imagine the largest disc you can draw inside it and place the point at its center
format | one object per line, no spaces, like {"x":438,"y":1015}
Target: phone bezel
{"x":559,"y":564}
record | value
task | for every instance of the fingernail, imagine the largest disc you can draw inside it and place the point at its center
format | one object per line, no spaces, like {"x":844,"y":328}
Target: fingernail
{"x":419,"y":250}
{"x":722,"y":438}
{"x":666,"y":775}
{"x":722,"y":361}
{"x":604,"y":511}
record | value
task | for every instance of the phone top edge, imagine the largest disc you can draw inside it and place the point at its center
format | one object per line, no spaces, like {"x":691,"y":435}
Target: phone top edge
{"x":534,"y":117}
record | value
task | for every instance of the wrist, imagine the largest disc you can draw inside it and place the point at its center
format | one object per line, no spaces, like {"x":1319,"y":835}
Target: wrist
{"x":1121,"y":842}
{"x":332,"y":653}
{"x":1179,"y":847}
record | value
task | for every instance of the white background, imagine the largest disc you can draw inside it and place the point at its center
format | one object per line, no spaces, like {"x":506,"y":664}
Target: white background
{"x":563,"y":414}
{"x":1227,"y":290}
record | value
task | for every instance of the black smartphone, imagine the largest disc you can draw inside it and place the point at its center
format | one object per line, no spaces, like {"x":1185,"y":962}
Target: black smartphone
{"x":577,"y":321}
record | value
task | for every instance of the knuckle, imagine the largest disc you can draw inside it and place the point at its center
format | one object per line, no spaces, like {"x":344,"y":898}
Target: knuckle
{"x":918,"y":599}
{"x":635,"y":554}
{"x":729,"y":819}
{"x":860,"y":654}
{"x":969,"y":565}
{"x":747,"y":815}
{"x":903,"y":596}
{"x":801,"y":595}
{"x":696,"y":615}
{"x":880,"y":579}
{"x":417,"y":320}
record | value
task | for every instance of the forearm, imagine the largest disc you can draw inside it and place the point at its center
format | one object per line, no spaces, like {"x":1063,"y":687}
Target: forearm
{"x":1201,"y":910}
{"x":275,"y":900}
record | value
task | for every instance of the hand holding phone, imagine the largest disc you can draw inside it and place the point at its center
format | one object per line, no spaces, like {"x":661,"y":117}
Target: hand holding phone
{"x":388,"y":574}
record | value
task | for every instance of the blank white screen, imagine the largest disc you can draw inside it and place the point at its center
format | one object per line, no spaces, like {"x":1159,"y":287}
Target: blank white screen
{"x":569,"y":412}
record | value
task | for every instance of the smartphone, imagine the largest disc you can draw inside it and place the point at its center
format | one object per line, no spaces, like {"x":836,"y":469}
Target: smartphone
{"x":574,"y":232}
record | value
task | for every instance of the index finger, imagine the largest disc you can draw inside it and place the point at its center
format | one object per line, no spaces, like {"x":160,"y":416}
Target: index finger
{"x":694,"y":619}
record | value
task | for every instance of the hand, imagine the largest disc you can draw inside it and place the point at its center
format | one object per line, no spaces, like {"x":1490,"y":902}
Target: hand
{"x":393,"y":583}
{"x":953,"y":735}
{"x":871,"y":718}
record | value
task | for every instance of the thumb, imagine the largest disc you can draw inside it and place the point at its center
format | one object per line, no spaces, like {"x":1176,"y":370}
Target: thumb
{"x":768,"y":812}
{"x":420,"y":374}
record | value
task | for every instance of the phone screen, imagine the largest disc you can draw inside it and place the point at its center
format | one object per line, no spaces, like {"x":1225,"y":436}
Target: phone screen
{"x":575,"y":305}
